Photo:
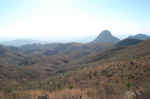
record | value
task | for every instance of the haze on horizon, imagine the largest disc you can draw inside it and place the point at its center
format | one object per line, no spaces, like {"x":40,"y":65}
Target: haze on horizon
{"x":69,"y":19}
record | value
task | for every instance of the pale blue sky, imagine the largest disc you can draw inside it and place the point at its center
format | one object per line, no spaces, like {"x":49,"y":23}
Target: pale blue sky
{"x":62,"y":19}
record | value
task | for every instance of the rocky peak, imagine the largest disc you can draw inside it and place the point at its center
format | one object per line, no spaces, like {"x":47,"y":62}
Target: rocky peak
{"x":106,"y":37}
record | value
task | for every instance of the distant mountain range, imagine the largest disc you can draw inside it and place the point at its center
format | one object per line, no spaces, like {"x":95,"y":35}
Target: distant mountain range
{"x":104,"y":37}
{"x":140,"y":37}
{"x":21,"y":42}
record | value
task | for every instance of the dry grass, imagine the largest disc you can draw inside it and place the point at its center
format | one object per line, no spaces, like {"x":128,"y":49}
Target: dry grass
{"x":89,"y":93}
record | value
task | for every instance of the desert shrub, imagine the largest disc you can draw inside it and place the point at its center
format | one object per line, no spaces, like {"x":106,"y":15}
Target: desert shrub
{"x":70,"y":86}
{"x":130,"y":85}
{"x":8,"y":90}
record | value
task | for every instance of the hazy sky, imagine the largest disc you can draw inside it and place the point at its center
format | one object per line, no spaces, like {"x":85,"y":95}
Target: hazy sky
{"x":59,"y":19}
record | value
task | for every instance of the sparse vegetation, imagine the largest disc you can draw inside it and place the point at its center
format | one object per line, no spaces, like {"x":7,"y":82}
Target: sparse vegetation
{"x":109,"y":74}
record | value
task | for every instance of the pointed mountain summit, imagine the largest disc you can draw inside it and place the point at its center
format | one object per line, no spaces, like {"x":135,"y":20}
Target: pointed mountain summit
{"x":106,"y":37}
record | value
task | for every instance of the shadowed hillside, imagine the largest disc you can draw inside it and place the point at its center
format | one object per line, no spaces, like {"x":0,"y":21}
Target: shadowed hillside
{"x":128,"y":42}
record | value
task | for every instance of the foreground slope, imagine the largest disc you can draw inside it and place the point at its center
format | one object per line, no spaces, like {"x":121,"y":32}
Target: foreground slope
{"x":119,"y":73}
{"x":124,"y":75}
